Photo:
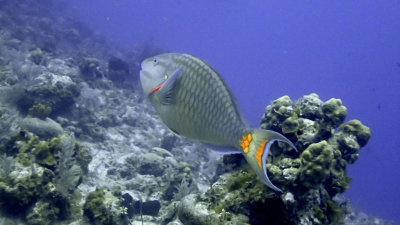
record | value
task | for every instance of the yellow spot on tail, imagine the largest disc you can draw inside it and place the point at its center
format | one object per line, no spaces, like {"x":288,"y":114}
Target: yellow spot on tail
{"x":244,"y":142}
{"x":260,"y":151}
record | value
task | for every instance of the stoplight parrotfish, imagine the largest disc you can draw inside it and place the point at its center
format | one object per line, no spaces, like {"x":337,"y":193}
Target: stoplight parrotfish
{"x":194,"y":101}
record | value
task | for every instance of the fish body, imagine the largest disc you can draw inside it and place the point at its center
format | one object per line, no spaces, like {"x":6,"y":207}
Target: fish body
{"x":194,"y":101}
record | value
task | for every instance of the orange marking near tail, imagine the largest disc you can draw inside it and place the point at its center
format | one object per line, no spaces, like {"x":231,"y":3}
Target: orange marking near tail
{"x":260,"y":151}
{"x":245,"y":142}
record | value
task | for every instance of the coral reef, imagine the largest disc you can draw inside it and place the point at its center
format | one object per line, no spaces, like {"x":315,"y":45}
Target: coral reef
{"x":316,"y":161}
{"x":59,"y":97}
{"x":37,"y":56}
{"x":40,"y":111}
{"x":310,"y":180}
{"x":111,"y":207}
{"x":118,"y":70}
{"x":61,"y":85}
{"x":100,"y":208}
{"x":34,"y":183}
{"x":350,"y":137}
{"x":90,"y":68}
{"x":43,"y":128}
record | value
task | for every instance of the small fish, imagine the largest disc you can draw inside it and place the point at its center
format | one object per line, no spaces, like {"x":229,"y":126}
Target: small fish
{"x":194,"y":101}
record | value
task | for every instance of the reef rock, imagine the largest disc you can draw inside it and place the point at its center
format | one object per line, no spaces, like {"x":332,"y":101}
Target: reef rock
{"x":310,"y":179}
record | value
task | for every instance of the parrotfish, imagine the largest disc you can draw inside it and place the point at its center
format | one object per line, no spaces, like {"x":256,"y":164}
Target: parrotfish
{"x":194,"y":101}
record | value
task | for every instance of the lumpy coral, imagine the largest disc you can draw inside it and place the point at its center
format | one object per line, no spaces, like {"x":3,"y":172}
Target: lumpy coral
{"x":40,"y":111}
{"x":44,"y":100}
{"x":90,"y":68}
{"x":350,"y":137}
{"x":310,"y":179}
{"x":97,"y":209}
{"x":316,"y":161}
{"x":112,"y":208}
{"x":118,"y":70}
{"x":37,"y":182}
{"x":37,"y":56}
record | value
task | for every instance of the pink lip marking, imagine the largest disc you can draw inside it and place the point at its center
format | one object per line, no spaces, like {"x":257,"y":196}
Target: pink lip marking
{"x":156,"y":89}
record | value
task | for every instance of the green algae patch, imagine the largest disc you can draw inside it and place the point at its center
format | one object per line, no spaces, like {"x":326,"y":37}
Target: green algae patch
{"x":104,"y":207}
{"x":38,"y":178}
{"x":316,"y":161}
{"x":40,"y":111}
{"x":95,"y":209}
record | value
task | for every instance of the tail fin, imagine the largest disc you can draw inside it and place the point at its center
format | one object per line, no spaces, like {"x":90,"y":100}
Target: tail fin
{"x":257,"y":151}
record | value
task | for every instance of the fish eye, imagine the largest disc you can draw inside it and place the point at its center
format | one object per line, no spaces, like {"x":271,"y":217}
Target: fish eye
{"x":155,"y":61}
{"x":165,"y":76}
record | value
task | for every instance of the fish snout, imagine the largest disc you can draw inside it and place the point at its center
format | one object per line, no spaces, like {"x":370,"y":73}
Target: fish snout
{"x":145,"y":81}
{"x":143,"y":76}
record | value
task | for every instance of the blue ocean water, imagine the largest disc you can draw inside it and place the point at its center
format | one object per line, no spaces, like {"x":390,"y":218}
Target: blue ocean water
{"x":342,"y":49}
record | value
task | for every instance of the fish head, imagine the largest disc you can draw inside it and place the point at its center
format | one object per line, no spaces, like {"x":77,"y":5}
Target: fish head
{"x":155,"y":72}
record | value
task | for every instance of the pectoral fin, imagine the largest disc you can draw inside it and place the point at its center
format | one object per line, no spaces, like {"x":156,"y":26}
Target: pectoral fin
{"x":167,"y":89}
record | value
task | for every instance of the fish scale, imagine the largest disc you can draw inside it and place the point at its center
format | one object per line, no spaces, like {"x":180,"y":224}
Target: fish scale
{"x":197,"y":110}
{"x":194,"y":101}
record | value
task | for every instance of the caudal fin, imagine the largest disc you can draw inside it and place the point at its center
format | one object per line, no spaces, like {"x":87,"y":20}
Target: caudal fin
{"x":256,"y":146}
